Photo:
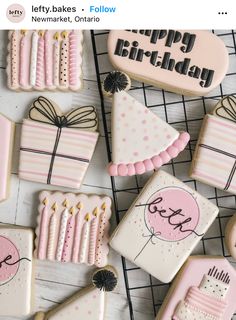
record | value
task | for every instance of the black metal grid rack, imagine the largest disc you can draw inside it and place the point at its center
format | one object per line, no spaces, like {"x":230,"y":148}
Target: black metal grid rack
{"x":182,"y":113}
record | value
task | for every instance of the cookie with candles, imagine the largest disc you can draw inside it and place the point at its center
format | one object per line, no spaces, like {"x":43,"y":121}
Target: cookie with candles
{"x":163,"y":226}
{"x":6,"y":146}
{"x":204,"y":289}
{"x":45,"y":60}
{"x":216,"y":148}
{"x":56,"y":148}
{"x":181,"y":61}
{"x":88,"y":303}
{"x":73,"y":228}
{"x":16,"y":249}
{"x":141,"y":141}
{"x":230,"y":236}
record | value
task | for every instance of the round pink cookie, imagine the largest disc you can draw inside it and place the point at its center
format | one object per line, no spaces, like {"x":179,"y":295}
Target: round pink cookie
{"x":172,"y":214}
{"x":9,"y":260}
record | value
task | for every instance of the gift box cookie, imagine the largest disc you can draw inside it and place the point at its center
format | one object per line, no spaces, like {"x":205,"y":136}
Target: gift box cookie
{"x":141,"y":141}
{"x":204,"y":289}
{"x":163,"y":226}
{"x":7,"y":134}
{"x":73,"y":228}
{"x":16,"y":248}
{"x":56,"y":148}
{"x":214,"y":161}
{"x":45,"y":60}
{"x":87,"y":304}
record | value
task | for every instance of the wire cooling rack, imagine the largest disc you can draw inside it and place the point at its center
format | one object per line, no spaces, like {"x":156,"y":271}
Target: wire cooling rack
{"x":183,"y":113}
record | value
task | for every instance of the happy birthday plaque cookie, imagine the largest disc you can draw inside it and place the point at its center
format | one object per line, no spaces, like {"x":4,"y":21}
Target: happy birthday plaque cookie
{"x":204,"y":289}
{"x":163,"y":226}
{"x":190,"y":62}
{"x":16,"y":249}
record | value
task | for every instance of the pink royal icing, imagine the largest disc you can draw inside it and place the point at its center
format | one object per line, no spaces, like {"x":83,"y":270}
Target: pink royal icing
{"x":9,"y":260}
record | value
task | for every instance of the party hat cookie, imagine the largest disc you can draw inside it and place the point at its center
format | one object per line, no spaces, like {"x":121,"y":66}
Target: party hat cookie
{"x":141,"y":141}
{"x":87,"y":304}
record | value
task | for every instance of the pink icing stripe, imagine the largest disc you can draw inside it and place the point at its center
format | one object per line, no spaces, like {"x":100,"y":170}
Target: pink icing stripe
{"x":73,"y":68}
{"x":198,"y":173}
{"x":67,"y":247}
{"x":45,"y":175}
{"x":23,"y":62}
{"x":155,"y":162}
{"x":223,"y":123}
{"x":43,"y":235}
{"x":217,"y":156}
{"x":40,"y":63}
{"x":205,"y":303}
{"x":48,"y":59}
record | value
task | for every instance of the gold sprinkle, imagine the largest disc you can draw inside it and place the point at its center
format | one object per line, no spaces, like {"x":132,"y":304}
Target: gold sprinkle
{"x":45,"y":201}
{"x":54,"y":206}
{"x":65,"y":203}
{"x":56,"y":36}
{"x":95,"y":212}
{"x":87,"y":217}
{"x":23,"y":32}
{"x":80,"y":205}
{"x":41,"y":33}
{"x":104,"y":206}
{"x":64,"y":34}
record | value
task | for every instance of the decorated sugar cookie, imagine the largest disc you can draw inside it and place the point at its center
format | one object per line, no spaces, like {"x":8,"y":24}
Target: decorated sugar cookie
{"x":216,"y":147}
{"x":6,"y":146}
{"x":45,"y":60}
{"x":88,"y":303}
{"x":163,"y":226}
{"x":205,"y":289}
{"x":141,"y":141}
{"x":230,"y":236}
{"x":16,"y":248}
{"x":189,"y":62}
{"x":73,"y":228}
{"x":57,"y":148}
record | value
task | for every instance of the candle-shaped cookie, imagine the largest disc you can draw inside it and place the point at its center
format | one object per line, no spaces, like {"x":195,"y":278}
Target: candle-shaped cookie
{"x":48,"y":59}
{"x":77,"y":233}
{"x":56,"y":59}
{"x":93,"y":237}
{"x":62,"y":232}
{"x":101,"y":231}
{"x":73,"y":58}
{"x":52,"y":233}
{"x":40,"y":61}
{"x":84,"y":239}
{"x":43,"y":231}
{"x":23,"y":59}
{"x":66,"y":253}
{"x":33,"y":57}
{"x":64,"y":58}
{"x":14,"y":60}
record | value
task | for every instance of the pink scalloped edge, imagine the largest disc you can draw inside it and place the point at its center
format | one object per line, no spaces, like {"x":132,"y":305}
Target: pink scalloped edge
{"x":155,"y":162}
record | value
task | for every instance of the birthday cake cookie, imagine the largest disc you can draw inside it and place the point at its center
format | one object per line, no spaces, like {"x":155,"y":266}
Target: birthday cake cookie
{"x":204,"y":289}
{"x":16,"y":248}
{"x":89,"y":303}
{"x":166,"y":221}
{"x":189,"y":62}
{"x":73,"y":228}
{"x":141,"y":141}
{"x":6,"y":146}
{"x":216,"y":148}
{"x":57,"y":148}
{"x":45,"y":60}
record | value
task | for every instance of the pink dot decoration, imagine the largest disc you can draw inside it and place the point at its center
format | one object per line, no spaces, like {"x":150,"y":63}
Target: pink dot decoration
{"x":176,"y":206}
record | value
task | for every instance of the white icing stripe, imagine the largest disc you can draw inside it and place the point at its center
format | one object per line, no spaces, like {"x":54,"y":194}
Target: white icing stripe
{"x":33,"y":60}
{"x":62,"y":233}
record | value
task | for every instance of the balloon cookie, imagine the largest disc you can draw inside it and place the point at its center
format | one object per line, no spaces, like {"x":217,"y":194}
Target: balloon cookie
{"x":45,"y":60}
{"x":141,"y":141}
{"x":57,"y":148}
{"x":163,"y":226}
{"x":88,"y":303}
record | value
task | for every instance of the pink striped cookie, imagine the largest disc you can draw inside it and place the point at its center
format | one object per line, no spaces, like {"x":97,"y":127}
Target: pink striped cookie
{"x":57,"y":148}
